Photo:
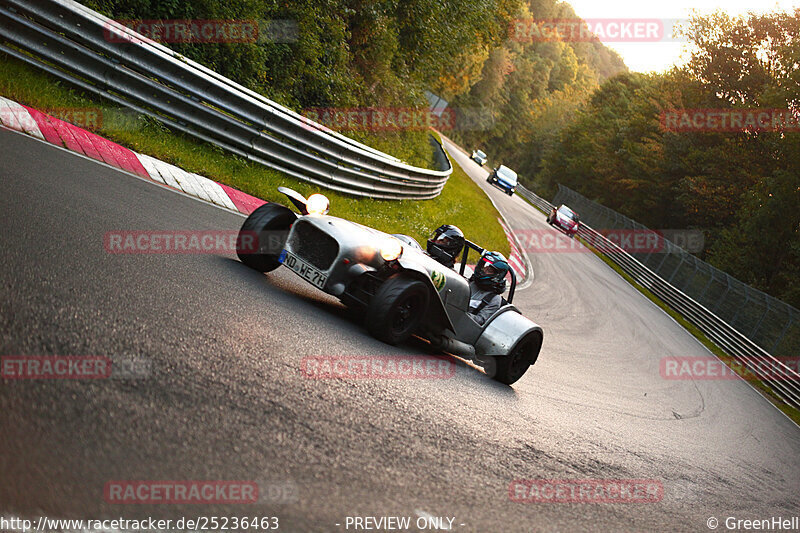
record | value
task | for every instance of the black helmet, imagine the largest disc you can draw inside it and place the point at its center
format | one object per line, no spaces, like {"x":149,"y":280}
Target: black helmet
{"x":490,"y":272}
{"x":445,"y":244}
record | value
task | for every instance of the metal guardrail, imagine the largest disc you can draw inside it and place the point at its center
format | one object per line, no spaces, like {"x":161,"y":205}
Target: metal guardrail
{"x":767,"y":321}
{"x":72,"y":42}
{"x":752,"y":356}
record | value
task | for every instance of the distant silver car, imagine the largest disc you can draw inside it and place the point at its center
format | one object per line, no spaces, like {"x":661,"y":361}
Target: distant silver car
{"x":479,"y":157}
{"x":400,"y":289}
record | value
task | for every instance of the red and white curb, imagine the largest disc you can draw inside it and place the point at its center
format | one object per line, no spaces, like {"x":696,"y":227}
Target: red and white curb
{"x":25,"y":119}
{"x":33,"y":122}
{"x":516,"y":260}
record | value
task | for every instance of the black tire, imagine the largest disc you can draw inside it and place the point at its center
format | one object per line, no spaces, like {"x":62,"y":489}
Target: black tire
{"x":397,"y":309}
{"x":270,"y":223}
{"x":508,"y":369}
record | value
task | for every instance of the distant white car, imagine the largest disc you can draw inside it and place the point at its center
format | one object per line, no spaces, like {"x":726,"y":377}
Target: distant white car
{"x":479,"y":157}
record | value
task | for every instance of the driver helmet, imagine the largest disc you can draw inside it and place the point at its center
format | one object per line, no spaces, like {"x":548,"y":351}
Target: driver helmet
{"x":490,"y":272}
{"x":445,"y":244}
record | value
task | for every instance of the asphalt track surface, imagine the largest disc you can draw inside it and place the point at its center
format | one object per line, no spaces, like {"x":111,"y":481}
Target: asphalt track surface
{"x":224,"y":398}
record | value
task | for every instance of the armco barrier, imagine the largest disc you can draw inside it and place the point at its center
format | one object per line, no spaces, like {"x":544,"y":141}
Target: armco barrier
{"x":720,"y":332}
{"x":764,"y":319}
{"x":70,"y":41}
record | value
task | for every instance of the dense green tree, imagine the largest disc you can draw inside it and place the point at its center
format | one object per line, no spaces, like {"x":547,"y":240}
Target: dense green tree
{"x":741,"y":187}
{"x":530,"y":88}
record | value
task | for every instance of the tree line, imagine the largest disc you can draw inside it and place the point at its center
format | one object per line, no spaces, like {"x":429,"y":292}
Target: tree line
{"x":711,"y":145}
{"x":555,"y":111}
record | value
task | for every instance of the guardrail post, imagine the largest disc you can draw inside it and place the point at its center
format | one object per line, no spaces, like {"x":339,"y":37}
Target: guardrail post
{"x":724,"y":294}
{"x":789,"y":322}
{"x":739,"y":308}
{"x":760,"y":320}
{"x":708,"y":285}
{"x":676,"y":269}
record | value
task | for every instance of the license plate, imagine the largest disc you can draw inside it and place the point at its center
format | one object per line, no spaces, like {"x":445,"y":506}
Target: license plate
{"x":303,"y":269}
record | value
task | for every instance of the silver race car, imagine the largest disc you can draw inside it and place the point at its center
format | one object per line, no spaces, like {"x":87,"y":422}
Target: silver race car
{"x":400,"y":289}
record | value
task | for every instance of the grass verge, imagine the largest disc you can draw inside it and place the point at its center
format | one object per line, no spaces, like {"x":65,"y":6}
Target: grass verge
{"x":729,"y":360}
{"x":461,"y":202}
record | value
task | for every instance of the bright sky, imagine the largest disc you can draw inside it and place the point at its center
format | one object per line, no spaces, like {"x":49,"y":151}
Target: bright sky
{"x":660,"y":56}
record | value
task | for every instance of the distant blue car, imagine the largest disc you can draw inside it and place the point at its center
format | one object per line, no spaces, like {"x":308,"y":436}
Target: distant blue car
{"x":504,"y":178}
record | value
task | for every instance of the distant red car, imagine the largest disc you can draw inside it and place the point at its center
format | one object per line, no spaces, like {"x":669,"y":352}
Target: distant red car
{"x":564,"y":218}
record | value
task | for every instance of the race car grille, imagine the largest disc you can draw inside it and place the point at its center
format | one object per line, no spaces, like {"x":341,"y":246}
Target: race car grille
{"x":314,"y":245}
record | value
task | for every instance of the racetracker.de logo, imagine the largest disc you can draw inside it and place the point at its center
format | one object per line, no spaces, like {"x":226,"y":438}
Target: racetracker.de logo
{"x":381,"y":118}
{"x":586,"y":491}
{"x":74,"y":367}
{"x":710,"y":369}
{"x":182,"y":31}
{"x":730,"y":120}
{"x":55,"y":367}
{"x":193,"y":242}
{"x":583,"y":30}
{"x":181,"y":492}
{"x":630,"y":240}
{"x":83,"y":117}
{"x":377,"y":367}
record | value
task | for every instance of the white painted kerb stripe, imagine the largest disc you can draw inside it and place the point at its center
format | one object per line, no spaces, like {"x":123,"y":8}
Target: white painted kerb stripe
{"x":16,"y":117}
{"x":190,"y":183}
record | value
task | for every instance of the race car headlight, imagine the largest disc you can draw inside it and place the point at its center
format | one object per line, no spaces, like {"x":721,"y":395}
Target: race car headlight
{"x":391,"y":249}
{"x":317,"y":204}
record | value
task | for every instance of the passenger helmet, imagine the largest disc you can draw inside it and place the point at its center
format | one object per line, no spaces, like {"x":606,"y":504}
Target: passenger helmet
{"x":445,"y":244}
{"x":490,"y":272}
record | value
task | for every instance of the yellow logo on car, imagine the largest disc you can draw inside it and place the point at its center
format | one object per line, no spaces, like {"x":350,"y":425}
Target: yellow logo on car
{"x":438,"y":279}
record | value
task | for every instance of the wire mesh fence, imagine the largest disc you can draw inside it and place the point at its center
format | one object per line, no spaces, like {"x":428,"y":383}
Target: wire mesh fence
{"x":770,"y":323}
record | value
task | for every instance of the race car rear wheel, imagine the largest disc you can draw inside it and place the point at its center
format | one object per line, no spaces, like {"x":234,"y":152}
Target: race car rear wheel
{"x":263,"y":235}
{"x":397,"y":309}
{"x":509,"y":368}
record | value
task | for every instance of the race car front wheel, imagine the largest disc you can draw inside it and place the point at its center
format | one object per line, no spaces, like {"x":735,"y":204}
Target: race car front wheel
{"x":397,"y":309}
{"x":263,"y":235}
